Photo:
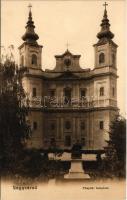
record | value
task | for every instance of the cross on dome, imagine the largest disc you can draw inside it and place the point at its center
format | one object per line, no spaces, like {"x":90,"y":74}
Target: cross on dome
{"x":30,"y":6}
{"x":67,"y":45}
{"x":105,"y":5}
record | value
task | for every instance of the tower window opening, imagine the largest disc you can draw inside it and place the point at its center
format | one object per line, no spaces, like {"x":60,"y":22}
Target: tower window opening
{"x":113,"y":59}
{"x":101,"y":58}
{"x":102,"y":91}
{"x":113,"y":91}
{"x":34,"y":60}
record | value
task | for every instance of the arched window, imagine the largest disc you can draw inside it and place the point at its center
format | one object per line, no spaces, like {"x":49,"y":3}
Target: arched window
{"x":101,"y":58}
{"x":34,"y":60}
{"x":102,"y":91}
{"x":22,"y":60}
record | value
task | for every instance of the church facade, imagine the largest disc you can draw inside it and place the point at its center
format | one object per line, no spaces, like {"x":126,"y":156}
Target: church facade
{"x":70,"y":104}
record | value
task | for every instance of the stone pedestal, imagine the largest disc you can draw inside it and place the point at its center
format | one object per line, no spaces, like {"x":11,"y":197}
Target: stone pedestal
{"x":76,"y":171}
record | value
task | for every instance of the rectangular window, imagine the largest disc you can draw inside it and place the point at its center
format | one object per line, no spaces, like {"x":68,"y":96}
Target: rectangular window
{"x":101,"y":125}
{"x":67,"y":141}
{"x":102,"y":91}
{"x":67,"y":95}
{"x":83,"y":141}
{"x":83,"y":93}
{"x":52,"y":93}
{"x":82,"y":125}
{"x":52,"y":141}
{"x":52,"y":126}
{"x":35,"y":125}
{"x":34,"y":92}
{"x":67,"y":125}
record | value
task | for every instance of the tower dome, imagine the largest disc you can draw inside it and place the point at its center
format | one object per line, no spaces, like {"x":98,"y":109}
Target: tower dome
{"x":30,"y":36}
{"x":105,"y":34}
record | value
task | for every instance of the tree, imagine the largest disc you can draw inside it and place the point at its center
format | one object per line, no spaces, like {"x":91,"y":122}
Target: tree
{"x":14,"y":129}
{"x":116,"y":150}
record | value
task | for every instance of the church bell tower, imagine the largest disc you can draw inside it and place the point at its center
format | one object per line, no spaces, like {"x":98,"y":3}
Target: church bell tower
{"x":30,"y":57}
{"x":30,"y":51}
{"x":105,"y":48}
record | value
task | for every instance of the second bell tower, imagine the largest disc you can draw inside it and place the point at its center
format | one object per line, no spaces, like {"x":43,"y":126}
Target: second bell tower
{"x":105,"y":48}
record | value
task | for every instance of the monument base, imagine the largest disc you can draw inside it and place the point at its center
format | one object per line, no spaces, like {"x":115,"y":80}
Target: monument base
{"x":76,"y":171}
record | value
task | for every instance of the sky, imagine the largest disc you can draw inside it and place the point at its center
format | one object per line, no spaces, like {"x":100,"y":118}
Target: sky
{"x":61,"y":22}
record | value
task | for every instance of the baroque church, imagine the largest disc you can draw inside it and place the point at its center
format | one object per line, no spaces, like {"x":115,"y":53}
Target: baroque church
{"x":70,"y":104}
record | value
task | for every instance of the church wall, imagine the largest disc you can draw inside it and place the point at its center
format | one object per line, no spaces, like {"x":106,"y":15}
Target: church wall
{"x":30,"y":83}
{"x":88,"y":124}
{"x":36,"y":122}
{"x":61,"y":131}
{"x":75,"y":87}
{"x":113,"y":84}
{"x":100,"y":135}
{"x":93,"y":135}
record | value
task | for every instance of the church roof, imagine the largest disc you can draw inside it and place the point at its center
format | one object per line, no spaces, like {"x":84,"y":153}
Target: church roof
{"x":67,"y":53}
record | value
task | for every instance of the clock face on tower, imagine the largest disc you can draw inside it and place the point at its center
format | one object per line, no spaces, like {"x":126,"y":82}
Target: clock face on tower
{"x":67,"y":62}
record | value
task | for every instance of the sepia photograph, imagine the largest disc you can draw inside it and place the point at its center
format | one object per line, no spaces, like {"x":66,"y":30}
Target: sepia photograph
{"x":62,"y":100}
